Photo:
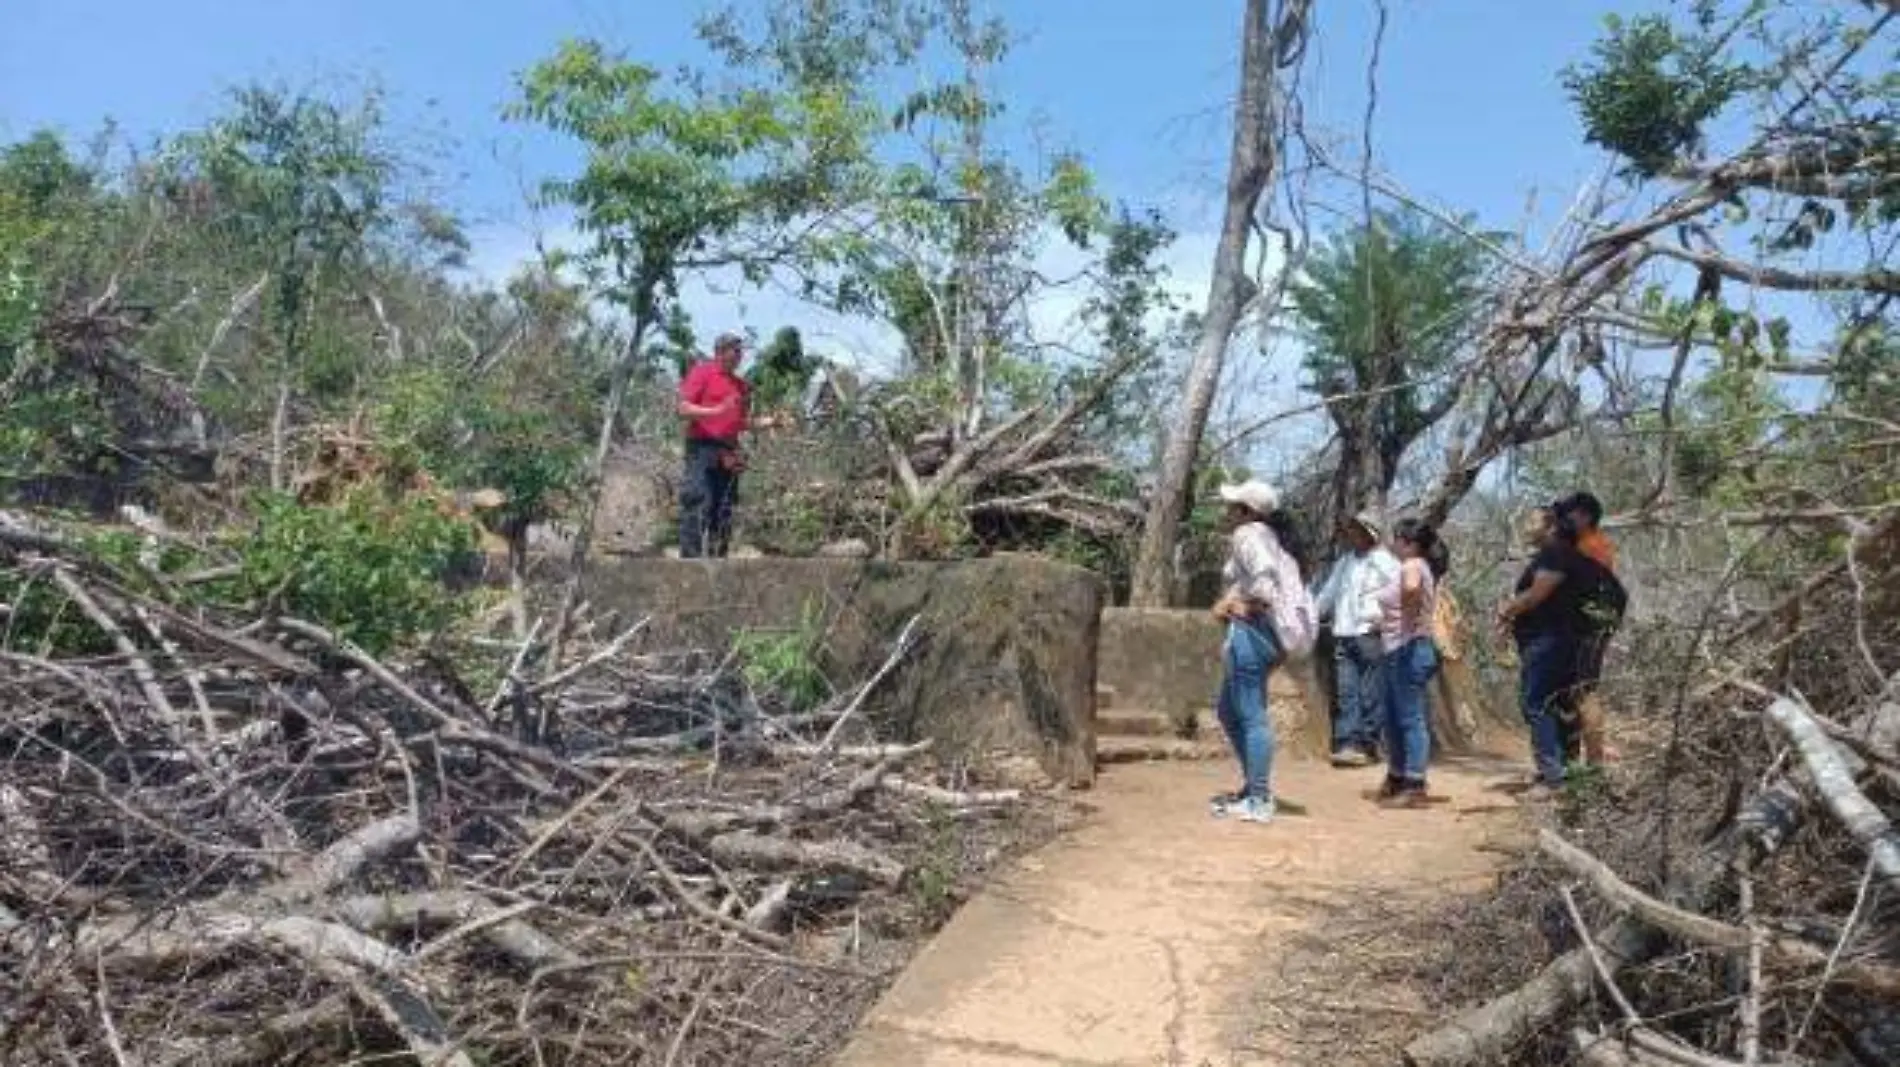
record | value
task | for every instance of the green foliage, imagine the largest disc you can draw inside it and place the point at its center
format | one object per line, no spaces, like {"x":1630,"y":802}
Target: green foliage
{"x":298,"y":181}
{"x":673,"y":174}
{"x":1384,"y":311}
{"x":41,"y":621}
{"x":781,"y":371}
{"x":369,"y":569}
{"x":479,"y":435}
{"x":785,"y":662}
{"x":1649,"y":90}
{"x":19,"y":310}
{"x":933,"y":881}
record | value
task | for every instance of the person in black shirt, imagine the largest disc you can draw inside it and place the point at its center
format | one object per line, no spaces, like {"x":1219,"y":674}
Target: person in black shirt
{"x":1542,"y":616}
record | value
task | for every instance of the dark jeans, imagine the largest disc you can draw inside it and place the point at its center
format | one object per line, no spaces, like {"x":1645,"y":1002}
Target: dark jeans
{"x":1358,"y":667}
{"x":707,"y":493}
{"x":1546,"y":668}
{"x":1408,"y":735}
{"x":1249,"y":655}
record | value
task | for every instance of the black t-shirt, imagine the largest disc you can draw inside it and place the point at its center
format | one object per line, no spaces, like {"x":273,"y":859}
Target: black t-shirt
{"x":1560,"y":612}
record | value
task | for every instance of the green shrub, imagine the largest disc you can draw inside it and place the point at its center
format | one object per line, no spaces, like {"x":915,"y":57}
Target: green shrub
{"x":370,"y":570}
{"x":785,"y":662}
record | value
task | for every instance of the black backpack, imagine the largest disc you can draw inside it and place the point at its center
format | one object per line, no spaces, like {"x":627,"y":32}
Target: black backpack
{"x":1602,"y":601}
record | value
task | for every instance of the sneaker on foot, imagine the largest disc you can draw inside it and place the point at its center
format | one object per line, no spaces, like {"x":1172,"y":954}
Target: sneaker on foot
{"x":1406,"y":793}
{"x":1350,"y":757}
{"x":1254,"y":809}
{"x":1221,"y":805}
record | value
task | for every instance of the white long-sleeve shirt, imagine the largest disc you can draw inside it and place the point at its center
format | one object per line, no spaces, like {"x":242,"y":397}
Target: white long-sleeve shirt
{"x":1350,"y":593}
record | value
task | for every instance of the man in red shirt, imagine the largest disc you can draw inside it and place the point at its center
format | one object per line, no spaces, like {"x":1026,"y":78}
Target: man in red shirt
{"x":713,"y":403}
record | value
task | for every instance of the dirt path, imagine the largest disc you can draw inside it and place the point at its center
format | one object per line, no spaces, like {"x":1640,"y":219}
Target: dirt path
{"x":1157,"y":935}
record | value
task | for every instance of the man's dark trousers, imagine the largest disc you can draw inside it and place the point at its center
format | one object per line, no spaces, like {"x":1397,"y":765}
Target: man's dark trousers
{"x":707,"y":492}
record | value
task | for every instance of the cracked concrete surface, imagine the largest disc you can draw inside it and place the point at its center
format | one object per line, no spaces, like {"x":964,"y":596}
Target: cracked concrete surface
{"x":1138,"y":939}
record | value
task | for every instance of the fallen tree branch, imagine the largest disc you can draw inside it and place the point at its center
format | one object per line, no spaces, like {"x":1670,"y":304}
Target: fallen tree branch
{"x":747,"y":849}
{"x":1834,"y":780}
{"x":468,"y":912}
{"x":1486,"y":1034}
{"x":345,"y":859}
{"x":950,"y":798}
{"x":1701,"y":930}
{"x":898,"y":651}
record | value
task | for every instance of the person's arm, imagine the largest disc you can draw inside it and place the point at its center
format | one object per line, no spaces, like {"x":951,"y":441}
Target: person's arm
{"x":1250,"y":561}
{"x":1543,"y":584}
{"x":692,"y":391}
{"x":1328,"y":592}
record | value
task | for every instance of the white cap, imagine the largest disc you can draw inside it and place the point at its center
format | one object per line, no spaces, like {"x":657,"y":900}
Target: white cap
{"x":1255,"y":496}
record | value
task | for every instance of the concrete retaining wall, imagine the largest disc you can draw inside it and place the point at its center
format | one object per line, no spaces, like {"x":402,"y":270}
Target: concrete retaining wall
{"x":1007,"y":662}
{"x":1168,"y":660}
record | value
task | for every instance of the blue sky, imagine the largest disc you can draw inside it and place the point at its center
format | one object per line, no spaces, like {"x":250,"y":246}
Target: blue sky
{"x":1470,"y":113}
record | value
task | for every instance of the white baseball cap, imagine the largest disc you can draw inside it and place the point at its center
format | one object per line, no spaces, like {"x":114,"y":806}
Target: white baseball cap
{"x":1255,"y":496}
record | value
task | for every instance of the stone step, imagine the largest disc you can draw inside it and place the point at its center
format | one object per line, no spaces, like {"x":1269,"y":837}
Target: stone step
{"x":1104,"y":697}
{"x":1132,"y":723}
{"x":1153,"y":749}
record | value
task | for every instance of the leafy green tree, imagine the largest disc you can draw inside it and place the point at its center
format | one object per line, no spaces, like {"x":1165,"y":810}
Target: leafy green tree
{"x":682,"y":177}
{"x":1385,"y":311}
{"x":304,"y":186}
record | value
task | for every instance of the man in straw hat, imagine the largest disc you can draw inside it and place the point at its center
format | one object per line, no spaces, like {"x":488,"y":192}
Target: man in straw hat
{"x":1349,"y":598}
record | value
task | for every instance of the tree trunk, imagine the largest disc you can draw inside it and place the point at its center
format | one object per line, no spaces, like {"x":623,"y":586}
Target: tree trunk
{"x":1256,"y":116}
{"x":618,"y":384}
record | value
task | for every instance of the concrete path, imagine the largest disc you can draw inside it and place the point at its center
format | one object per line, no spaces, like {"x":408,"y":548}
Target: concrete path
{"x":1141,"y":938}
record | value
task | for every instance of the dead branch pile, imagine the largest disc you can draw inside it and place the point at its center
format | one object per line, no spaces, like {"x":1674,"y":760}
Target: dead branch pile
{"x":1734,"y":901}
{"x":236,"y":840}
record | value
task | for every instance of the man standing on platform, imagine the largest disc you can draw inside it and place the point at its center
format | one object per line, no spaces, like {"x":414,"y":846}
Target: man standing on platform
{"x":713,"y":402}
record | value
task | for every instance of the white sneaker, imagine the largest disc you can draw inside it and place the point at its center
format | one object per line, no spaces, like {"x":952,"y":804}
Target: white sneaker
{"x":1254,"y":809}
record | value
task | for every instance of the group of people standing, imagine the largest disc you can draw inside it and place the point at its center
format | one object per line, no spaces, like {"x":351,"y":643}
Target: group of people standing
{"x":1381,"y":603}
{"x":1380,"y":600}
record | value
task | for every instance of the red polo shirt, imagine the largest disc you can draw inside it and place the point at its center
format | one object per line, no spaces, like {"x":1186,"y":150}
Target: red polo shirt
{"x":708,"y":384}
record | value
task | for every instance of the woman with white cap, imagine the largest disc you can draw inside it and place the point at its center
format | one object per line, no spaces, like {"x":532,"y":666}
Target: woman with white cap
{"x":1264,"y":596}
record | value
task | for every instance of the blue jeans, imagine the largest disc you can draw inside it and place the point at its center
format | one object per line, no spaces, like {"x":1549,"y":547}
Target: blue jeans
{"x":1408,"y":735}
{"x":1546,"y":664}
{"x":1249,"y":655}
{"x":1360,"y":678}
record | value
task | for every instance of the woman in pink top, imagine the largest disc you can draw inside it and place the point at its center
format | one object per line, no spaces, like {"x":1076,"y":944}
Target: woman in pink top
{"x":1405,"y":625}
